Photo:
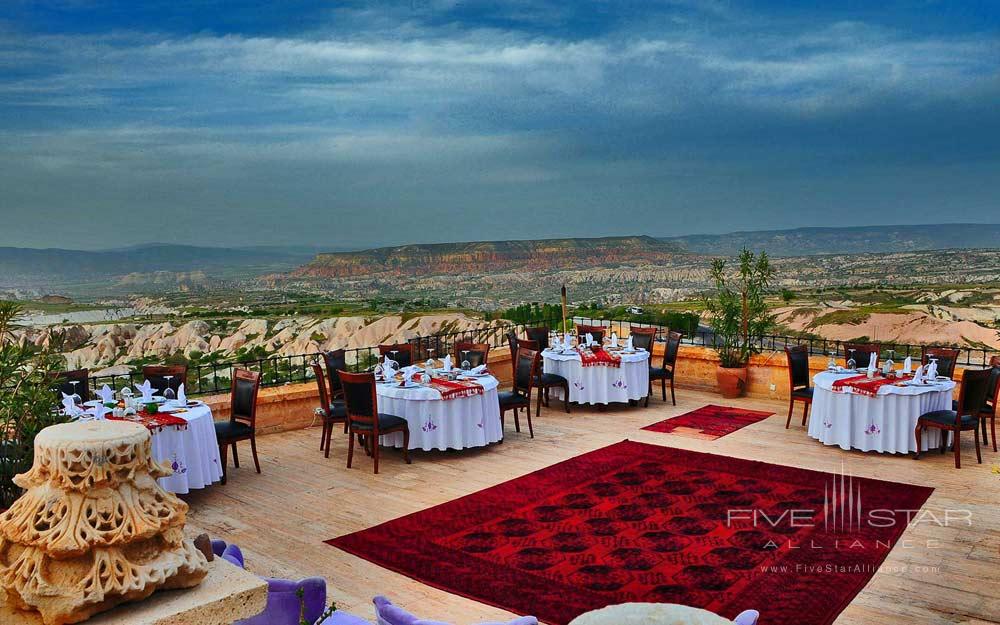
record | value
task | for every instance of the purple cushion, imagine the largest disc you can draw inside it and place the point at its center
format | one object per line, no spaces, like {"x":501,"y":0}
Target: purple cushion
{"x":388,"y":614}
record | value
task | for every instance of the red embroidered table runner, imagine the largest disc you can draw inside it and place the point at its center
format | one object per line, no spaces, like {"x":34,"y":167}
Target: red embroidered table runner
{"x":598,"y":357}
{"x":861,"y":385}
{"x":154,"y":422}
{"x":452,"y":389}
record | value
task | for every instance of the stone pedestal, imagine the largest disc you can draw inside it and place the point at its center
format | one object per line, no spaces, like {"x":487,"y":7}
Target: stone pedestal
{"x":93,"y":528}
{"x":227,"y":594}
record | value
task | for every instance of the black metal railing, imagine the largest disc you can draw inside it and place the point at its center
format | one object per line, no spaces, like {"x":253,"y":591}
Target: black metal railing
{"x":214,"y":377}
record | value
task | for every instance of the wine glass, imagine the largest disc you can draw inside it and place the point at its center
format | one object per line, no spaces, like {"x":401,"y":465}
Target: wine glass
{"x":393,"y":353}
{"x":75,"y":396}
{"x":466,"y":365}
{"x":832,"y":363}
{"x":168,"y":393}
{"x":851,"y":363}
{"x":430,"y":359}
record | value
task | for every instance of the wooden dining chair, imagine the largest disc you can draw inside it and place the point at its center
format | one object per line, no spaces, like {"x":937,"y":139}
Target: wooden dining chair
{"x":862,"y":353}
{"x":525,"y":374}
{"x":643,"y":338}
{"x":971,"y":400}
{"x":947,"y":358}
{"x":364,"y":421}
{"x":989,"y":411}
{"x":479,"y":353}
{"x":62,"y":382}
{"x":157,"y":375}
{"x":332,"y":412}
{"x":539,"y":335}
{"x":668,"y":369}
{"x":799,"y":382}
{"x":595,"y":331}
{"x":242,"y":423}
{"x":405,"y":356}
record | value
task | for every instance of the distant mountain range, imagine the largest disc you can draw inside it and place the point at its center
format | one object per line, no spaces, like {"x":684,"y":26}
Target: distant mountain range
{"x":847,"y":240}
{"x":490,"y":256}
{"x":51,"y":268}
{"x":29,"y":266}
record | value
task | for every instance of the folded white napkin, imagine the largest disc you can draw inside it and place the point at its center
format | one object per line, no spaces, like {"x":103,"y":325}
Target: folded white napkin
{"x":918,"y":375}
{"x":590,"y":339}
{"x":932,"y":371}
{"x":614,"y":340}
{"x":408,"y":374}
{"x":628,"y":343}
{"x":872,"y":362}
{"x":98,"y":413}
{"x":181,"y":395}
{"x":106,"y":394}
{"x":72,"y":410}
{"x":908,"y":365}
{"x":446,"y":363}
{"x":388,"y":368}
{"x":146,"y":389}
{"x":478,"y":370}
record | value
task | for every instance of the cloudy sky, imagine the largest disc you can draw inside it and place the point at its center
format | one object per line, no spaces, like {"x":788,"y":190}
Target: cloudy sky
{"x":359,"y":123}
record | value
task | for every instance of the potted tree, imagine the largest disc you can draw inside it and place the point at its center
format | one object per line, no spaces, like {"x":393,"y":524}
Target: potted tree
{"x":739,"y":317}
{"x":27,"y":402}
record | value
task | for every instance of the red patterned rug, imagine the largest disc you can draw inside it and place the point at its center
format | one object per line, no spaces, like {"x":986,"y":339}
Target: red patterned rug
{"x":640,"y":522}
{"x":709,"y":422}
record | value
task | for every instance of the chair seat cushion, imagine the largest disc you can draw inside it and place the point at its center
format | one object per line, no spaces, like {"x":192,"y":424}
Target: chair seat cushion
{"x":338,"y":410}
{"x":659,"y":373}
{"x":510,"y":398}
{"x":385,"y":422}
{"x":231,"y":430}
{"x":551,"y":379}
{"x":805,"y":393}
{"x":947,"y":417}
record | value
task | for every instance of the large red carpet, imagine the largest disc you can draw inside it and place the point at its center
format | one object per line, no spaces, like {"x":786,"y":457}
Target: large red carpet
{"x":710,"y":422}
{"x":639,"y":522}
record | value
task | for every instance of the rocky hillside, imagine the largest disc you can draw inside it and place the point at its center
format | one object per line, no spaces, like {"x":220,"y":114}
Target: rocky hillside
{"x":489,"y":256}
{"x":115,"y":348}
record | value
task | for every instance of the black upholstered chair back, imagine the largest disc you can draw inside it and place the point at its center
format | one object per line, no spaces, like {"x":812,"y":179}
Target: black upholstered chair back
{"x":993,"y":387}
{"x":798,"y":366}
{"x":643,"y":338}
{"x":862,"y":353}
{"x":539,"y":335}
{"x":359,"y":397}
{"x":525,"y":370}
{"x":972,"y":397}
{"x":947,"y":358}
{"x":62,"y":382}
{"x":478,"y":353}
{"x":243,"y":396}
{"x":671,"y":348}
{"x":156,"y":375}
{"x":404,"y":357}
{"x":335,"y":361}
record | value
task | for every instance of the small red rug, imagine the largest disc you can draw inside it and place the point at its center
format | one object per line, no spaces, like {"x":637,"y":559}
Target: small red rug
{"x":640,"y":522}
{"x":709,"y":422}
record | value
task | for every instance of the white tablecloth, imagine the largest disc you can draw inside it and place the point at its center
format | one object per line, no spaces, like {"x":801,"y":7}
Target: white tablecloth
{"x":193,"y":453}
{"x":437,"y":423}
{"x":600,"y":384}
{"x":883,"y":423}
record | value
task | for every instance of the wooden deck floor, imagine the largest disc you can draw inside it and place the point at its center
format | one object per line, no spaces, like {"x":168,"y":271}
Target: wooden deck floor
{"x":282,"y":517}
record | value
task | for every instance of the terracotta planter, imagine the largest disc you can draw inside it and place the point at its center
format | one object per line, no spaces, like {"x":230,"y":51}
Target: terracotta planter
{"x":732,"y":381}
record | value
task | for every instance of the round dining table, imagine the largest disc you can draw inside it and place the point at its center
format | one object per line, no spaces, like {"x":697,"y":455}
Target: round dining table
{"x":441,"y":424}
{"x":191,"y":451}
{"x":883,"y":423}
{"x":599,"y":384}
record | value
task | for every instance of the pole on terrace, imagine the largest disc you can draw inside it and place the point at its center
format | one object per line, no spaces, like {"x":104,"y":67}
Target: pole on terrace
{"x":564,"y":328}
